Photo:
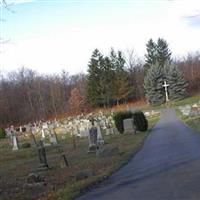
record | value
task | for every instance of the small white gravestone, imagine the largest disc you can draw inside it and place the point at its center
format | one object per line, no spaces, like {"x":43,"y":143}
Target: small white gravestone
{"x":128,"y":125}
{"x":53,"y":137}
{"x":43,"y":134}
{"x":20,"y":129}
{"x":15,"y":143}
{"x":100,"y":139}
{"x":147,"y":113}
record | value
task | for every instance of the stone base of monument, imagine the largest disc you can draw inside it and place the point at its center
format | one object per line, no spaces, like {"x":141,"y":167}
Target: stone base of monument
{"x":92,"y":149}
{"x":42,"y":167}
{"x":108,"y":152}
{"x":130,"y":131}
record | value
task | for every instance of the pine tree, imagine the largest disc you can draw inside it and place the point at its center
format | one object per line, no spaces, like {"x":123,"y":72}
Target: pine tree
{"x":151,"y":54}
{"x":107,"y":81}
{"x":163,"y":52}
{"x":121,"y":80}
{"x":157,"y":53}
{"x":94,"y":89}
{"x":153,"y":85}
{"x":177,"y":84}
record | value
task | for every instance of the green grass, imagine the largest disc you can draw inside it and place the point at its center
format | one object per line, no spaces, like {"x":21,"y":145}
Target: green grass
{"x":189,"y":100}
{"x":193,"y":122}
{"x":15,"y":166}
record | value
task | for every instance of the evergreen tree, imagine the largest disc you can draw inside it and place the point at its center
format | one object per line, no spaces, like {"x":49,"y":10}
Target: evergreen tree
{"x":157,"y":53}
{"x":94,"y":89}
{"x":163,"y":52}
{"x":177,"y":84}
{"x":153,"y":85}
{"x":121,"y":79}
{"x":151,"y":54}
{"x":107,"y":81}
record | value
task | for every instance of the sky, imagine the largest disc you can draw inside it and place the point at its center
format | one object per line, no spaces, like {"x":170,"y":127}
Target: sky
{"x":51,"y":35}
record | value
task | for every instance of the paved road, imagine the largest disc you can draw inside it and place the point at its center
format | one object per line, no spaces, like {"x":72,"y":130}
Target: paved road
{"x":167,"y":167}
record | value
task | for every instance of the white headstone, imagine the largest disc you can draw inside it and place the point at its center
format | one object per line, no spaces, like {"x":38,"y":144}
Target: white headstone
{"x":15,"y":143}
{"x":100,"y":139}
{"x":128,"y":125}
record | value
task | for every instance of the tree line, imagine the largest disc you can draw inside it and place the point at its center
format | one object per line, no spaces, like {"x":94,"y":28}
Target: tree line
{"x":119,"y":77}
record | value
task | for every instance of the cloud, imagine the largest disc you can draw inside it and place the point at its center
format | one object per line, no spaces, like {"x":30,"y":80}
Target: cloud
{"x":193,"y":20}
{"x":13,"y":2}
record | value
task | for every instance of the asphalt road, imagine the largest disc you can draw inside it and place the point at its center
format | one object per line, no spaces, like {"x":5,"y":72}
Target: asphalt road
{"x":166,"y":168}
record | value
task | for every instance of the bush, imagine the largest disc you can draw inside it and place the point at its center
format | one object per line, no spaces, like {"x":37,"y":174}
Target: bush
{"x":2,"y":133}
{"x":139,"y":120}
{"x":119,"y":117}
{"x":26,"y":145}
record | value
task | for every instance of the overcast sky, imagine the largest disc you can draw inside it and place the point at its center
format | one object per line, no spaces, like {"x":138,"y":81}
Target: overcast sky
{"x":51,"y":35}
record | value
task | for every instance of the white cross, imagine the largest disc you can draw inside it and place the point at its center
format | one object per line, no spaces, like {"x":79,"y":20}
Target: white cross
{"x":166,"y":94}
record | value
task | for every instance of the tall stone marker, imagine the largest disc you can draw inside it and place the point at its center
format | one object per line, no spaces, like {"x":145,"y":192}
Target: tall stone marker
{"x":92,"y":140}
{"x":15,"y":143}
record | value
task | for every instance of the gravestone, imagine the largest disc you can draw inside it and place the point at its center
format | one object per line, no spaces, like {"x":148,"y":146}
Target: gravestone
{"x":92,"y":140}
{"x":128,"y":125}
{"x":84,"y":133}
{"x":15,"y":143}
{"x":186,"y":110}
{"x":43,"y":135}
{"x":53,"y":137}
{"x":100,"y":139}
{"x":42,"y":157}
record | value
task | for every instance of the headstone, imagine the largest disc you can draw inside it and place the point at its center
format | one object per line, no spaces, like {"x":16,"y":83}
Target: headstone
{"x":147,"y":113}
{"x":186,"y":110}
{"x":34,"y":139}
{"x":15,"y":143}
{"x":42,"y":157}
{"x":92,"y":140}
{"x":100,"y":139}
{"x":84,"y":133}
{"x":128,"y":125}
{"x":64,"y":162}
{"x":53,"y":137}
{"x":20,"y":129}
{"x":43,"y":134}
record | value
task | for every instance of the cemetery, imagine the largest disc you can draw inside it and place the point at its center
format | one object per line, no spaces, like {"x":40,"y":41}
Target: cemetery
{"x":46,"y":160}
{"x":94,"y":105}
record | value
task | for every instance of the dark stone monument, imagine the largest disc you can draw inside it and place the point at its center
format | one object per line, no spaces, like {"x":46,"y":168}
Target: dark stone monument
{"x":92,"y":139}
{"x":64,"y":163}
{"x":42,"y":157}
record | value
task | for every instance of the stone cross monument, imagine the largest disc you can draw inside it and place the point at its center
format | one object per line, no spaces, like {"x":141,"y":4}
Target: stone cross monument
{"x":166,"y":94}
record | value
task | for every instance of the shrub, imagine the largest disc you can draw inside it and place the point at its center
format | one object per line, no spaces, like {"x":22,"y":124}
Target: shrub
{"x":119,"y":117}
{"x":2,"y":133}
{"x":139,"y":120}
{"x":26,"y":145}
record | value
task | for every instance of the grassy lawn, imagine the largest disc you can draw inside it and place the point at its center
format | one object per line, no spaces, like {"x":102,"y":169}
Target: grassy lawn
{"x":193,"y":122}
{"x":60,"y":182}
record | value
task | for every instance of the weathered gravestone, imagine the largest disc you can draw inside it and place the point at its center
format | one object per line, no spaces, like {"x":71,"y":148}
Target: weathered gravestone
{"x":63,"y":158}
{"x":128,"y":125}
{"x":100,"y":139}
{"x":15,"y":143}
{"x":92,"y":139}
{"x":186,"y":110}
{"x":53,"y":136}
{"x":42,"y":157}
{"x":33,"y":131}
